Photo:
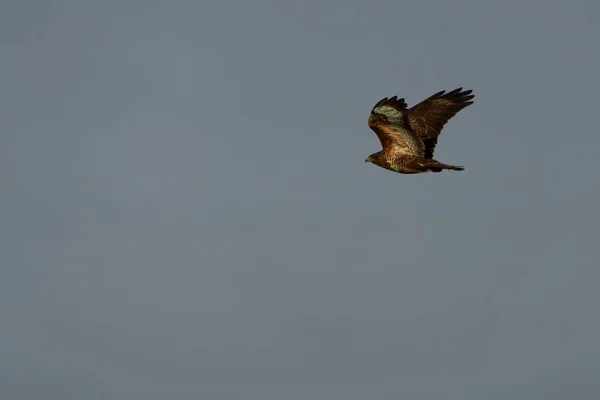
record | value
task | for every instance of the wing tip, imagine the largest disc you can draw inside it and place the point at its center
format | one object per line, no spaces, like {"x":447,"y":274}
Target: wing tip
{"x":394,"y":101}
{"x":461,"y":96}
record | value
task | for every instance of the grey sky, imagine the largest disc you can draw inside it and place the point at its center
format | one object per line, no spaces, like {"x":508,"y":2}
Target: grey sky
{"x":186,"y":213}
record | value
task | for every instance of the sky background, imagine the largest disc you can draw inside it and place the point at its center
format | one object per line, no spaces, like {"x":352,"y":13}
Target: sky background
{"x":186,"y":212}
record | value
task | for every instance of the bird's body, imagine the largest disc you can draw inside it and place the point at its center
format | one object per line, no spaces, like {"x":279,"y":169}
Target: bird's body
{"x":409,"y":136}
{"x":409,"y":164}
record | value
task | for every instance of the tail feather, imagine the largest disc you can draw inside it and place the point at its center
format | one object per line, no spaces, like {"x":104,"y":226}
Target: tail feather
{"x":454,"y":167}
{"x":437,"y":166}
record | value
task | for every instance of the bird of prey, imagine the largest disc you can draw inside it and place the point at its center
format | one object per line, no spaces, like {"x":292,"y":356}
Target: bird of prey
{"x":409,"y":135}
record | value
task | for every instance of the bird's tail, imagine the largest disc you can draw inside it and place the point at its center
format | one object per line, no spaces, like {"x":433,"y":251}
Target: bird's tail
{"x":437,"y":166}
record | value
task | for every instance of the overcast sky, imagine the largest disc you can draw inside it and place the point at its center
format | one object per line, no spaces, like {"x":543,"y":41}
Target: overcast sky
{"x":186,"y":212}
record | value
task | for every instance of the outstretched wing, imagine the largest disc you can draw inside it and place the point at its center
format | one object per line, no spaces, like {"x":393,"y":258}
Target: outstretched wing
{"x":388,"y":120}
{"x":428,"y":117}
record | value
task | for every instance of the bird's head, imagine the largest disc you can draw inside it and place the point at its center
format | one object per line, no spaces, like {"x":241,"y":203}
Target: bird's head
{"x":375,"y":158}
{"x":372,"y":158}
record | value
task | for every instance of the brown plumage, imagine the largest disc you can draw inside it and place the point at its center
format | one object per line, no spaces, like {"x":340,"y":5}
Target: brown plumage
{"x":409,"y":135}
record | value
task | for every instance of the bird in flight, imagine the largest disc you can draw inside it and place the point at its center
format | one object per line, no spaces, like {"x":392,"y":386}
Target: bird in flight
{"x":408,"y":136}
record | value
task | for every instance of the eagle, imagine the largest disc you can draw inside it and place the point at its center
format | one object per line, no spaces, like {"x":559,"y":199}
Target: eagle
{"x":408,"y":136}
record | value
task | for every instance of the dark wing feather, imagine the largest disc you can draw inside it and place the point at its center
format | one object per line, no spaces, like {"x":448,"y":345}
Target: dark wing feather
{"x":388,"y":120}
{"x":428,"y":117}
